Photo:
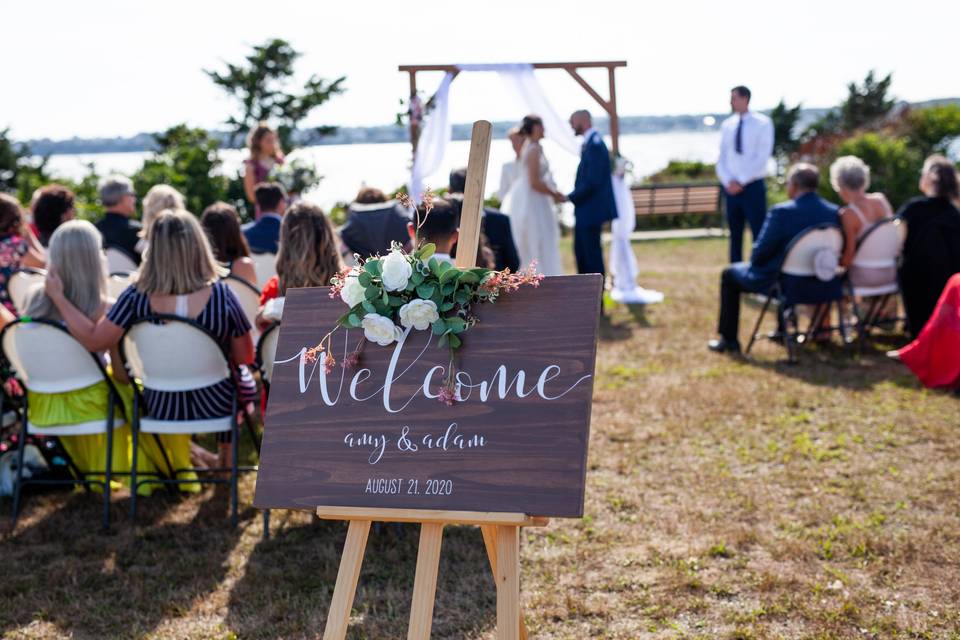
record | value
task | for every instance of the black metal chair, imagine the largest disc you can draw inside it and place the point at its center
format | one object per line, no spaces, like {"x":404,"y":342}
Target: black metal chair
{"x":47,"y":359}
{"x":808,"y":276}
{"x":170,"y":353}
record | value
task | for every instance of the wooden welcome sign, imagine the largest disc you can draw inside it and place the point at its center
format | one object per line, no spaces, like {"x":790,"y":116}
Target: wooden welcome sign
{"x":374,"y":442}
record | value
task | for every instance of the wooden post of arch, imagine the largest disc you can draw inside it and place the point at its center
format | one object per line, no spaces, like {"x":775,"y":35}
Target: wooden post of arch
{"x":609,"y":105}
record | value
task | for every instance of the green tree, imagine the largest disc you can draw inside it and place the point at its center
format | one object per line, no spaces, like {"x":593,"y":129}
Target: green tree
{"x":261,"y":86}
{"x":187,"y":160}
{"x":894,"y":164}
{"x":785,"y":140}
{"x":934,"y":129}
{"x":864,"y":106}
{"x":20,"y":174}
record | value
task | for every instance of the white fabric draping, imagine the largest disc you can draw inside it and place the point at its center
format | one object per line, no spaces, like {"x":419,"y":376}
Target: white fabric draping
{"x":434,"y":137}
{"x":519,"y":79}
{"x":623,"y":264}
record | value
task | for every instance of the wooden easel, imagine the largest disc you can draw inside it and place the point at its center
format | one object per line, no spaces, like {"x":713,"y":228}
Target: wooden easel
{"x":501,"y":531}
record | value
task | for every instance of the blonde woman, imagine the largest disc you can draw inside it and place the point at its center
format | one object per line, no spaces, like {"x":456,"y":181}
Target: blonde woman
{"x":75,"y":252}
{"x":308,"y":255}
{"x":180,"y":276}
{"x":159,"y":198}
{"x":265,"y":154}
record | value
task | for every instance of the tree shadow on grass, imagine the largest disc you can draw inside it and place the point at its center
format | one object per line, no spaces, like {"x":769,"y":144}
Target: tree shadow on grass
{"x":121,"y":584}
{"x":289,"y":579}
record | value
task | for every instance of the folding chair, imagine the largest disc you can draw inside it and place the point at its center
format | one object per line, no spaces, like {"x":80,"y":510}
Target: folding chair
{"x":21,"y":283}
{"x":170,"y":353}
{"x":249,"y":298}
{"x":47,"y":359}
{"x":118,"y":282}
{"x":808,"y":276}
{"x":265,"y":266}
{"x":266,"y":353}
{"x":119,"y":261}
{"x":878,"y":248}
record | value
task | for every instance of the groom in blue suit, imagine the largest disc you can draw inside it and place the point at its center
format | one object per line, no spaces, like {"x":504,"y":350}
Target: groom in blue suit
{"x":592,"y":195}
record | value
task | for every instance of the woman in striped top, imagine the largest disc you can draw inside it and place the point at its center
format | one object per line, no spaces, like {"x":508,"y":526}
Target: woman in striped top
{"x":179,"y":276}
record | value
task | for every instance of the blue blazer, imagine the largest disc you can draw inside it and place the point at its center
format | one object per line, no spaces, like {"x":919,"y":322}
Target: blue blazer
{"x":785,"y":222}
{"x":592,"y":193}
{"x":263,"y":236}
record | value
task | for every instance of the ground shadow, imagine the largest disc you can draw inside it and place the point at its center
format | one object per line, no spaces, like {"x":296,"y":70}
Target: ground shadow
{"x":289,"y":579}
{"x":123,"y":583}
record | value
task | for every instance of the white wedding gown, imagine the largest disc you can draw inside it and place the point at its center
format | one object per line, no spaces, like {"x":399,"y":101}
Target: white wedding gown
{"x":533,"y":217}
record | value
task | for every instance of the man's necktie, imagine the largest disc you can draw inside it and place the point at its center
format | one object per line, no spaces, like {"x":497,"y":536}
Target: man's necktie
{"x":738,"y":145}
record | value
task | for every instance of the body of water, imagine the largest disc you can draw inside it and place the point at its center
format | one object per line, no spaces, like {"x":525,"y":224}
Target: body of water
{"x":348,"y":167}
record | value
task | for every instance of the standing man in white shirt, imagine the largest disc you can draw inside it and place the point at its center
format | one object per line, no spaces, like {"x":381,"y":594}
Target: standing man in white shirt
{"x":746,"y":144}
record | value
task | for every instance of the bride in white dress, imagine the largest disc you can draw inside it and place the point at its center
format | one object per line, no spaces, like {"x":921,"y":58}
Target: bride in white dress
{"x":533,"y":216}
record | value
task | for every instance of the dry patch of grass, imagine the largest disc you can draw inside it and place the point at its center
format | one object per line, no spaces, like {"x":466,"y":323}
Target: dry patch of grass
{"x":725,"y":499}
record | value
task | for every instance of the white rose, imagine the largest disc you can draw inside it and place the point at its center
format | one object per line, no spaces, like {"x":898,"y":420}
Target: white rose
{"x":395,"y":271}
{"x":419,"y":314}
{"x":380,"y":329}
{"x":352,"y":292}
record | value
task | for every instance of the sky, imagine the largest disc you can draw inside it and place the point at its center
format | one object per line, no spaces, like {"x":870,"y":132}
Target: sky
{"x":103,"y":68}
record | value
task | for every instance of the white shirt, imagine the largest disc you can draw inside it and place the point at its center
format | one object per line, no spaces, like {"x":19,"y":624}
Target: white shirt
{"x":442,"y":257}
{"x":757,"y":141}
{"x":586,"y":135}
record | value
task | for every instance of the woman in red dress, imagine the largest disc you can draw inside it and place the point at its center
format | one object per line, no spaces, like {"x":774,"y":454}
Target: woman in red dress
{"x":935,"y":354}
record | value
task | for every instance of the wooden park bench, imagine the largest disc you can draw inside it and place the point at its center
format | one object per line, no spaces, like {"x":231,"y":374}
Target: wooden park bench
{"x":677,"y":199}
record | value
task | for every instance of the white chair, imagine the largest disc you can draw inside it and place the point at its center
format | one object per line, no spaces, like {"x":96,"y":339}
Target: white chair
{"x":48,"y":359}
{"x":118,"y":282}
{"x":168,"y":353}
{"x":119,"y":261}
{"x":249,"y":298}
{"x":21,"y":283}
{"x":878,"y":248}
{"x":265,"y":266}
{"x":814,"y":253}
{"x":267,"y":352}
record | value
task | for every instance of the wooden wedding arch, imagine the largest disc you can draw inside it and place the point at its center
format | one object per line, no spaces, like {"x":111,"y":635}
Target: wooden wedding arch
{"x":609,"y":105}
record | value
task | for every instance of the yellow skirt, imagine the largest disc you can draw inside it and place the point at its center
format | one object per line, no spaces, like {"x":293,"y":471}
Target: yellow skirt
{"x":88,"y":452}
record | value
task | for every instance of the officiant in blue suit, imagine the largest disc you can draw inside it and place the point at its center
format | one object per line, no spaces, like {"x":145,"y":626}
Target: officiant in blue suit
{"x":592,"y":195}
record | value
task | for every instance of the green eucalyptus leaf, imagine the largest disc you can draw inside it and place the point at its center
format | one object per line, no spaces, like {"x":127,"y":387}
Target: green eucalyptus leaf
{"x":450,"y":275}
{"x":445,"y":339}
{"x":368,"y":307}
{"x":372,"y":292}
{"x":415,"y":279}
{"x":468,"y":277}
{"x":448,"y":288}
{"x":439,"y":327}
{"x":365,"y":278}
{"x":462,"y":297}
{"x":426,"y":251}
{"x":454,"y":340}
{"x":396,"y":301}
{"x":354,"y":320}
{"x":456,"y":324}
{"x":446,"y":306}
{"x":425,"y":291}
{"x":434,"y":266}
{"x":373,"y":267}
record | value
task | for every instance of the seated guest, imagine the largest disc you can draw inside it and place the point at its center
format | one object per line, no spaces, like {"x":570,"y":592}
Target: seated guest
{"x":934,"y":356}
{"x":118,"y":228}
{"x":850,"y":178}
{"x":222,"y":224}
{"x":52,"y":206}
{"x":441,"y":227}
{"x":75,"y":256}
{"x":179,"y":276}
{"x":931,"y":251}
{"x":308,"y":256}
{"x":373,"y":223}
{"x":784,"y":222}
{"x":159,"y":198}
{"x":262,"y":235}
{"x":494,"y":226}
{"x":15,"y":246}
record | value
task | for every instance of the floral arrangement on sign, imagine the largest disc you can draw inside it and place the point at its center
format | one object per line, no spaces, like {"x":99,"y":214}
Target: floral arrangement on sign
{"x":416,"y":291}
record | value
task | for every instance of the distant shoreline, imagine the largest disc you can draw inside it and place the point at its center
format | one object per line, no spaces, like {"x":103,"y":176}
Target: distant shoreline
{"x":392,"y":133}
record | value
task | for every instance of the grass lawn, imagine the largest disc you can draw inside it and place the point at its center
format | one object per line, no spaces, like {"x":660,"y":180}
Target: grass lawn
{"x":725,"y":499}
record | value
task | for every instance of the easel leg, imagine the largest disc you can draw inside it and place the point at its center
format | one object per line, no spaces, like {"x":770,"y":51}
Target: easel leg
{"x":508,"y":583}
{"x":490,"y":542}
{"x":339,"y":616}
{"x":425,"y":583}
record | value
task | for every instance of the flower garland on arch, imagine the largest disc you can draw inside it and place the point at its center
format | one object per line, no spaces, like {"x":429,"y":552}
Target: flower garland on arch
{"x":416,"y":291}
